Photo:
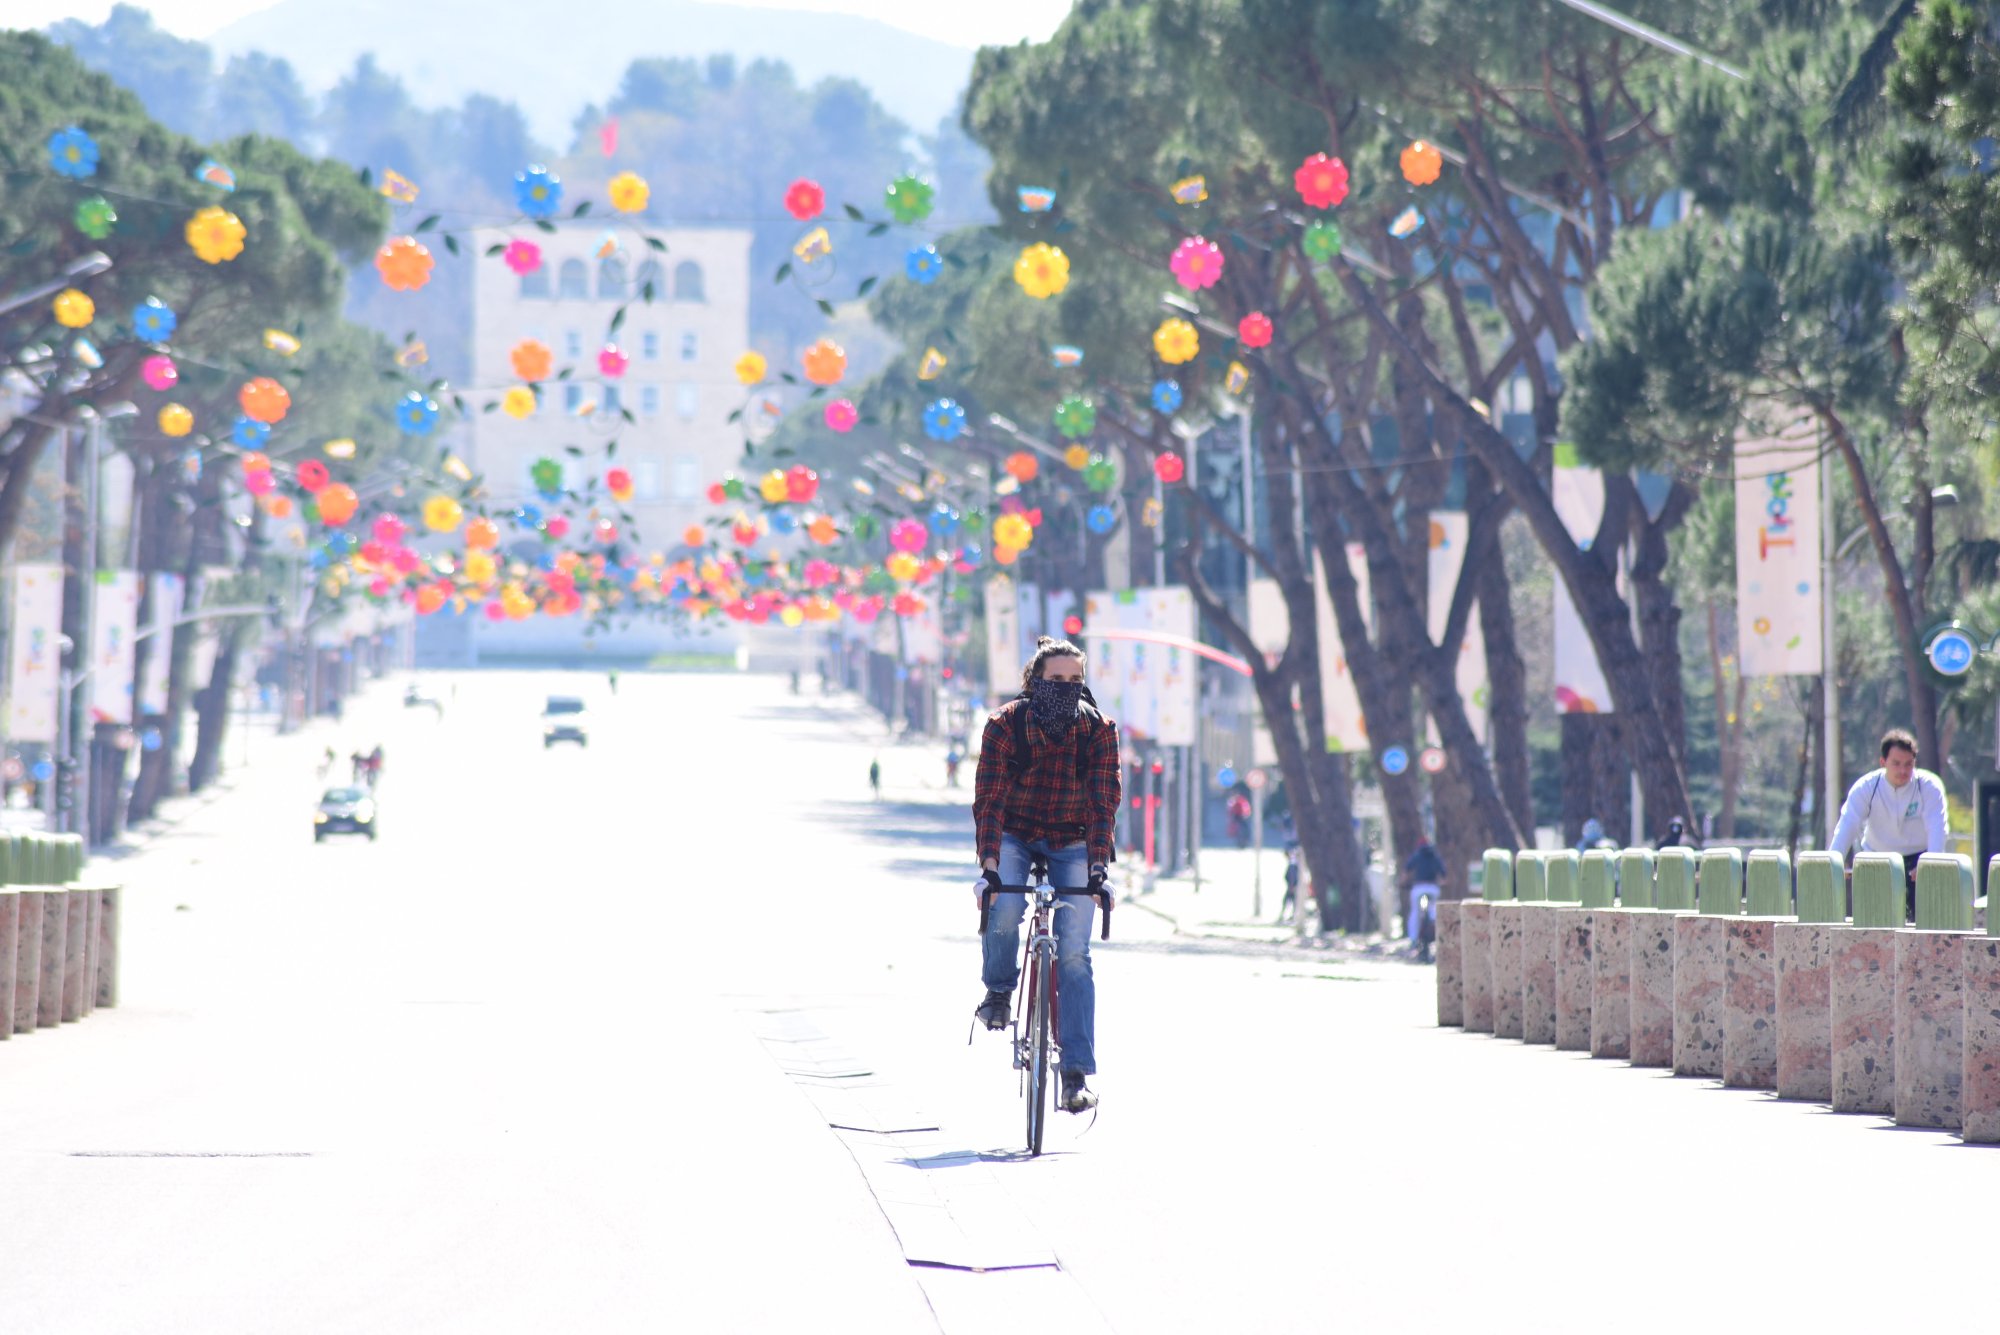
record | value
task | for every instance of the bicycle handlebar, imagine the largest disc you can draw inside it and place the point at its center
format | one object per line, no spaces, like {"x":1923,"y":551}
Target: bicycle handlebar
{"x":1103,"y":898}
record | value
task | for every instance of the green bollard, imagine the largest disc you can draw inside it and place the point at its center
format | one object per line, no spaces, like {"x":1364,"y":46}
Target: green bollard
{"x":77,"y":853}
{"x":1559,"y":870}
{"x":1822,"y":888}
{"x":1878,"y":890}
{"x":1496,"y":880}
{"x":1673,"y":880}
{"x":1531,"y":880}
{"x":1597,"y":880}
{"x":7,"y":869}
{"x":1768,"y":884}
{"x":1719,"y":889}
{"x":1992,"y":918}
{"x":1944,"y":892}
{"x":1636,"y":874}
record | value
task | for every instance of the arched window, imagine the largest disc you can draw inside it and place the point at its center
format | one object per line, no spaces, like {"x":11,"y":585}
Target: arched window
{"x":574,"y":280}
{"x":687,"y":282}
{"x":649,"y":277}
{"x":536,"y":283}
{"x":611,"y":279}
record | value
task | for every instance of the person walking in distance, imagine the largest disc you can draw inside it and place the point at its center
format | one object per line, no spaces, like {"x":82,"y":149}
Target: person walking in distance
{"x":1424,"y":872}
{"x":875,"y":777}
{"x":1048,"y":786}
{"x":1896,"y":808}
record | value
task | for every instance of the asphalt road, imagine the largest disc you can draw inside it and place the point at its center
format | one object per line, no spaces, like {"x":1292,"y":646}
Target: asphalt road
{"x":670,"y":1034}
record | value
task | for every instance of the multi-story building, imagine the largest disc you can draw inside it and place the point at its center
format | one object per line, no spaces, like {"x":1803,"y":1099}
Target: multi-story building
{"x":678,"y":385}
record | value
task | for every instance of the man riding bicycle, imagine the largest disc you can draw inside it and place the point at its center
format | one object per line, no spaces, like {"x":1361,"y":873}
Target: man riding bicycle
{"x":1048,"y":787}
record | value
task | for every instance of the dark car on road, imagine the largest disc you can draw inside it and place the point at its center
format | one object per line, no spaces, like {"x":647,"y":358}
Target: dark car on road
{"x":344,"y":811}
{"x":563,"y":721}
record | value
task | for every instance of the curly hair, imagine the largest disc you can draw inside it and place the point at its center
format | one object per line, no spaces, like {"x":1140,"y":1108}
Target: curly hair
{"x":1046,"y":648}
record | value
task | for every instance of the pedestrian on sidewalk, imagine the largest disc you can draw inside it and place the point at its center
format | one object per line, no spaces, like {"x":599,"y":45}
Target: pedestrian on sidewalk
{"x":875,"y":777}
{"x":1424,"y":873}
{"x":1896,"y":808}
{"x":952,"y":759}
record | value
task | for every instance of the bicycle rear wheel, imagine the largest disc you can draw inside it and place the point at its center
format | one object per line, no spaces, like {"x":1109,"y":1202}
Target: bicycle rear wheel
{"x":1039,"y":1074}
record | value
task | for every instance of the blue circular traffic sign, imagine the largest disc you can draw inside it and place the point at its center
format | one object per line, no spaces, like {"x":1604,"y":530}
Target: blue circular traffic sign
{"x":43,"y":771}
{"x":1395,"y":760}
{"x":1226,"y":777}
{"x":1951,"y":652}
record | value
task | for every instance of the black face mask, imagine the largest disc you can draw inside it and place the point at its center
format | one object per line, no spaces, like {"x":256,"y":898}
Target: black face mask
{"x":1054,"y":704}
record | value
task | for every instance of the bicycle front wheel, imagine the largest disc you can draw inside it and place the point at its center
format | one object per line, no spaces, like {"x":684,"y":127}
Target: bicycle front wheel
{"x":1039,"y":1074}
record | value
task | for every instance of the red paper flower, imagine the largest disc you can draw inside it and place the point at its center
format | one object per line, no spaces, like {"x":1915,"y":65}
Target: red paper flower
{"x":805,"y":199}
{"x":313,"y":476}
{"x":1321,"y":181}
{"x":1169,"y":468}
{"x":1255,"y":330}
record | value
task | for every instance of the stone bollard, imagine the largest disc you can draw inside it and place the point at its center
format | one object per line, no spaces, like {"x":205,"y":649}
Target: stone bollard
{"x":107,"y":946}
{"x":1750,"y":1005}
{"x":1804,"y":960}
{"x":55,"y":935}
{"x":1652,"y":989}
{"x":1979,"y":1080}
{"x":10,"y":954}
{"x":26,"y":997}
{"x":76,"y":948}
{"x":1541,"y":939}
{"x":1573,"y":967}
{"x":1701,"y":964}
{"x":1862,"y":991}
{"x":1475,"y":937}
{"x":1450,"y":963}
{"x":1930,"y":995}
{"x":1503,"y":943}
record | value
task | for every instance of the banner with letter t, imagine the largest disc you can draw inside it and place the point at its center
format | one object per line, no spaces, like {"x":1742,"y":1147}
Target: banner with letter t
{"x":1778,"y":590}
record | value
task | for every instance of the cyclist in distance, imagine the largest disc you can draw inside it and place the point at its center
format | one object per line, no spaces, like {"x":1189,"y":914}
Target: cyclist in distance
{"x":1048,"y":785}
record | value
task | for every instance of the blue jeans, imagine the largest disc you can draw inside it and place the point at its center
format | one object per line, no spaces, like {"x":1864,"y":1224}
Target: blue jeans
{"x":1069,"y":869}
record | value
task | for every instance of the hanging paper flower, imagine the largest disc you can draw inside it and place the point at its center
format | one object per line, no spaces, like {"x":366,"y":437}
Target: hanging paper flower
{"x":337,"y":504}
{"x":1321,"y":241}
{"x":1102,"y":518}
{"x":523,"y":257}
{"x":1176,"y":342}
{"x":1421,"y":163}
{"x":801,"y":484}
{"x":259,"y":482}
{"x":1196,"y":263}
{"x":618,"y":482}
{"x":557,"y":527}
{"x":1012,"y":533}
{"x":1321,"y":181}
{"x":175,"y":420}
{"x":159,"y":372}
{"x":442,"y":514}
{"x":215,"y":235}
{"x":825,"y":362}
{"x":1406,"y":223}
{"x":250,"y":433}
{"x":264,"y":400}
{"x":841,"y":415}
{"x":907,"y":535}
{"x":944,"y":421}
{"x":95,"y":217}
{"x":1169,"y":467}
{"x":72,"y":153}
{"x":482,"y":534}
{"x":73,"y":309}
{"x":612,"y":361}
{"x":547,"y":475}
{"x":1100,"y":474}
{"x":751,"y":368}
{"x":823,"y":530}
{"x":404,"y":263}
{"x":629,"y":192}
{"x":1166,"y":396}
{"x":1254,"y":330}
{"x":313,"y":476}
{"x":1077,"y":457}
{"x":943,"y":520}
{"x":909,"y":199}
{"x":923,"y":265}
{"x":1076,"y":416}
{"x":153,"y":321}
{"x":416,"y":414}
{"x":518,"y":403}
{"x":693,"y":536}
{"x":805,"y":200}
{"x":1022,"y":466}
{"x":1042,"y":270}
{"x":784,"y":521}
{"x":901,"y":566}
{"x":537,"y":192}
{"x":772,"y":487}
{"x":479,"y":568}
{"x":532,"y":360}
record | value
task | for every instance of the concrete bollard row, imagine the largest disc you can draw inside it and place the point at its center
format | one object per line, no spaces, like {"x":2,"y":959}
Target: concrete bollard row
{"x":58,"y":935}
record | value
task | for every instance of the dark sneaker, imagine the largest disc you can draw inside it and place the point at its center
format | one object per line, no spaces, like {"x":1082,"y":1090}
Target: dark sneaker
{"x":993,"y":1011}
{"x":1076,"y":1096}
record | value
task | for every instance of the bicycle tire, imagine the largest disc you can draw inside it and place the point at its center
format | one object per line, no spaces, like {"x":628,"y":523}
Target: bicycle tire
{"x":1038,"y":1054}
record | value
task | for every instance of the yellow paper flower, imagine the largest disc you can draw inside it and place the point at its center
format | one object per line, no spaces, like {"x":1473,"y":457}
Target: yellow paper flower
{"x":1176,"y":342}
{"x":750,"y":368}
{"x":791,"y":616}
{"x":215,"y":235}
{"x":442,"y":514}
{"x":1077,"y":457}
{"x":175,"y":420}
{"x":74,"y":309}
{"x":773,"y":488}
{"x":1013,"y":531}
{"x":1042,"y":271}
{"x":479,"y":567}
{"x":629,"y":192}
{"x":518,"y":402}
{"x":901,"y":566}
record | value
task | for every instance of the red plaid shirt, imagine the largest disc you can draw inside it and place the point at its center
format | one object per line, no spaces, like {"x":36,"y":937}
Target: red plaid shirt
{"x":1056,"y":797}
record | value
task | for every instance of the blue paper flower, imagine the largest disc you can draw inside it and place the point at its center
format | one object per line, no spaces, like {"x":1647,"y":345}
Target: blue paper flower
{"x":783,"y":521}
{"x":1166,"y":396}
{"x":529,"y":516}
{"x":923,"y":265}
{"x":154,"y":321}
{"x":538,"y":191}
{"x":416,"y":414}
{"x":971,"y":554}
{"x":72,"y":153}
{"x":943,"y":520}
{"x":341,"y":544}
{"x":317,"y":559}
{"x":250,"y":433}
{"x":1102,"y":519}
{"x":944,"y":420}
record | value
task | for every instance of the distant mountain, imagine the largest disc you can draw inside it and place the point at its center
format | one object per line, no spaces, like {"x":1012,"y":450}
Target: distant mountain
{"x":554,"y":61}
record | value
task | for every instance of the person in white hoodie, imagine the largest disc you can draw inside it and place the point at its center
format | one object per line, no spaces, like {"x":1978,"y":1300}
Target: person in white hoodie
{"x":1895,"y":809}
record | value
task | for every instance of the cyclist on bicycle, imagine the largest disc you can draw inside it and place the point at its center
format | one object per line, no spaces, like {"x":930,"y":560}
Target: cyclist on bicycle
{"x":1048,"y":786}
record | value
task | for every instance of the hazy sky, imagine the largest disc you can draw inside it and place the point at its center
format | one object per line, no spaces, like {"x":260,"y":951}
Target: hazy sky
{"x":964,"y":22}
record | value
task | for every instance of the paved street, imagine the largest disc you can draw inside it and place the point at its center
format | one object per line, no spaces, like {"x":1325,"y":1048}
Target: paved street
{"x":572,"y":1048}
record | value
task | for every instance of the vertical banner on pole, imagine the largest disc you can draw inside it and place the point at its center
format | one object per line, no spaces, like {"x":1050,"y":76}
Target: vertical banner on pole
{"x":1778,"y":626}
{"x":113,"y":652}
{"x":1175,"y":670}
{"x":1115,"y":665}
{"x":1449,"y":529}
{"x":34,"y":658}
{"x":167,"y":590}
{"x":1577,"y":494}
{"x":1346,"y":729}
{"x":1003,"y":639}
{"x":1270,"y":631}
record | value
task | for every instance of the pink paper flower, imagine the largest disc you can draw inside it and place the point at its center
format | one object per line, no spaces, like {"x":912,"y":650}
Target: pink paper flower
{"x":1197,"y":263}
{"x":523,"y":257}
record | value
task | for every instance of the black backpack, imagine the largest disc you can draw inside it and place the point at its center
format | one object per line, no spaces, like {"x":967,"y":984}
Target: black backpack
{"x":1088,"y":719}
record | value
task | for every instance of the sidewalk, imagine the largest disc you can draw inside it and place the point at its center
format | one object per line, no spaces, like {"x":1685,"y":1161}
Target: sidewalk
{"x":1229,"y":905}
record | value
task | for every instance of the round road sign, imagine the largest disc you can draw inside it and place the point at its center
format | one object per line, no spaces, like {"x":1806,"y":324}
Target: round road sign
{"x":1395,"y":760}
{"x":1255,"y":778}
{"x":1431,"y":759}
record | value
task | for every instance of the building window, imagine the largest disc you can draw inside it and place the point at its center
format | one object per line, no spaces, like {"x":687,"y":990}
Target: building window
{"x":649,"y":345}
{"x":690,"y":346}
{"x":574,"y":281}
{"x":572,"y":397}
{"x":687,"y":477}
{"x":650,"y":285}
{"x":687,"y":399}
{"x":646,"y":481}
{"x":608,"y":399}
{"x":535,"y":283}
{"x":572,"y":343}
{"x":687,"y":282}
{"x":611,"y":279}
{"x":649,"y":400}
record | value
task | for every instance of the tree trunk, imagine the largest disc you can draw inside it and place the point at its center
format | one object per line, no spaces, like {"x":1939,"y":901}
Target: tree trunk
{"x":1506,"y":694}
{"x":211,"y":708}
{"x":1596,"y":775}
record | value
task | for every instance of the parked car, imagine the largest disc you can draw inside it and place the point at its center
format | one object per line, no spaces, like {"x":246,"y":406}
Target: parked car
{"x":563,"y":721}
{"x":344,"y":811}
